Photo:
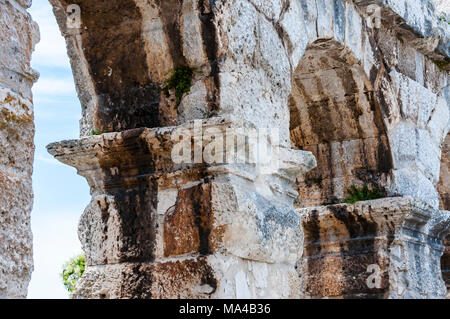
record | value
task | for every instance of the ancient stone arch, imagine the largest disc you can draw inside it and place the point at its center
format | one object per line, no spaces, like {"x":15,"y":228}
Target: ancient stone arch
{"x":336,"y":116}
{"x":156,"y":228}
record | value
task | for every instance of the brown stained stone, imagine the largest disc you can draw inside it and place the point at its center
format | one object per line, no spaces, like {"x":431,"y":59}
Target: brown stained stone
{"x":335,"y":115}
{"x":210,"y":42}
{"x":127,"y":163}
{"x":187,"y":226}
{"x":170,"y":15}
{"x":171,"y":279}
{"x":388,"y":235}
{"x":168,"y":109}
{"x":115,"y":52}
{"x":337,"y":111}
{"x":339,"y":246}
{"x":444,"y":180}
{"x":190,"y":278}
{"x":126,"y":71}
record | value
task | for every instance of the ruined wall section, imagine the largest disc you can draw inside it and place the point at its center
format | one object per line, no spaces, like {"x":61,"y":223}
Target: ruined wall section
{"x":406,"y":61}
{"x":245,"y":53}
{"x":18,"y":36}
{"x":124,"y":52}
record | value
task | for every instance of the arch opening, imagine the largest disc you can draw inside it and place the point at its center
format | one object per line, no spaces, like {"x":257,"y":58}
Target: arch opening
{"x":335,"y":115}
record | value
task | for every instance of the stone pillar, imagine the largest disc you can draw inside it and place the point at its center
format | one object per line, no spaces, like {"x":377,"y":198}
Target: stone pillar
{"x":385,"y":248}
{"x":18,"y":35}
{"x":157,"y":229}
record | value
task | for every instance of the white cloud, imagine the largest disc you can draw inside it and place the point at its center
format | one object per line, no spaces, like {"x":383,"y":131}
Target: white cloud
{"x":55,"y":241}
{"x":54,"y":86}
{"x":48,"y":160}
{"x":51,"y":50}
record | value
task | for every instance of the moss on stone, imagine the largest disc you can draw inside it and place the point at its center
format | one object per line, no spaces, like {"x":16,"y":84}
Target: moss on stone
{"x":180,"y":81}
{"x":355,"y":194}
{"x":442,"y":64}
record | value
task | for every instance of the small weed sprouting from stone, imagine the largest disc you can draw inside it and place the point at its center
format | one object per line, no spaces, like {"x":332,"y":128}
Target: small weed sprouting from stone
{"x":180,"y":81}
{"x":355,"y":194}
{"x":97,"y":132}
{"x":442,"y":65}
{"x":444,"y":19}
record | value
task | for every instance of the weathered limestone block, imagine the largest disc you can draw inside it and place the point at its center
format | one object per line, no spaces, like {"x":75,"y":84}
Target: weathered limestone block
{"x":16,"y":261}
{"x":206,"y":277}
{"x":369,"y":103}
{"x":18,"y":36}
{"x":417,"y":22}
{"x":335,"y":115}
{"x":444,"y":179}
{"x":151,"y":213}
{"x":385,"y":248}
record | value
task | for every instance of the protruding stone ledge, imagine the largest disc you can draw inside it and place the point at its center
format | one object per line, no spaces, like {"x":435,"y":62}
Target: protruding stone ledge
{"x":385,"y":248}
{"x":149,"y":209}
{"x":145,"y":206}
{"x":144,"y":152}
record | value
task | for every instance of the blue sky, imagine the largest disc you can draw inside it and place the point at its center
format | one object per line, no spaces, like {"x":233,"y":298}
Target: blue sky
{"x":60,"y":195}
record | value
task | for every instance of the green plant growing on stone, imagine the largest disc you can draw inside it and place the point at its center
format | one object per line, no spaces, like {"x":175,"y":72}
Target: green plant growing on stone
{"x":355,"y":194}
{"x":444,"y":19}
{"x":72,"y":272}
{"x":442,"y":65}
{"x":180,"y":80}
{"x":97,"y":132}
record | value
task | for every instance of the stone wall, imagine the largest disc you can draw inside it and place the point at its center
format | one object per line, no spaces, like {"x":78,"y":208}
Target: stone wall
{"x":370,"y":103}
{"x":336,"y":116}
{"x":18,"y":36}
{"x":355,"y":101}
{"x":385,"y":248}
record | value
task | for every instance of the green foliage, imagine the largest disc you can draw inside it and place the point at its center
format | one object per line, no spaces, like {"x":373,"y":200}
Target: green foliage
{"x":180,"y":81}
{"x":442,"y":64}
{"x":97,"y":132}
{"x":355,"y":194}
{"x":72,"y":271}
{"x":444,"y":19}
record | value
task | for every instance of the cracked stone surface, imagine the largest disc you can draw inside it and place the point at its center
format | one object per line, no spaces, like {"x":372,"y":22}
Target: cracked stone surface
{"x":371,"y":105}
{"x":353,"y":104}
{"x":18,"y":35}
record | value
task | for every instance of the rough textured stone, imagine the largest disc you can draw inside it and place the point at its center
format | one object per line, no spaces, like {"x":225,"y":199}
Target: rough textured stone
{"x":170,"y":212}
{"x":397,"y":237}
{"x":335,"y":115}
{"x":444,"y":181}
{"x":371,"y":104}
{"x":18,"y":35}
